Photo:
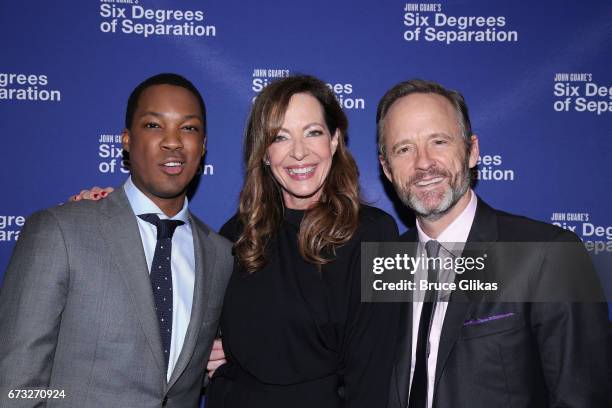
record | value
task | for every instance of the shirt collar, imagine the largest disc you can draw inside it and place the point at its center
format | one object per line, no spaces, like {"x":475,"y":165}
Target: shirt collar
{"x":141,"y":204}
{"x":459,"y":229}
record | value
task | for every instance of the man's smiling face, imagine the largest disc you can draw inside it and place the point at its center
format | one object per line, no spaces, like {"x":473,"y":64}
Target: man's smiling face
{"x":165,"y":142}
{"x":426,"y":158}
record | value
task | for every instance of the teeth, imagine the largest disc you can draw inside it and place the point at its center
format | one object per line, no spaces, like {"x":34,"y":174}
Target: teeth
{"x":172,"y":164}
{"x":428,"y":182}
{"x":301,"y":170}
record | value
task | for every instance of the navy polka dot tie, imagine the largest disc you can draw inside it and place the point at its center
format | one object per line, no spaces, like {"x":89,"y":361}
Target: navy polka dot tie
{"x":161,"y":277}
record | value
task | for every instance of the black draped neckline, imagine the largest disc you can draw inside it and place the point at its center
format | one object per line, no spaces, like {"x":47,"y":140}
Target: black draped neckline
{"x":294,"y":217}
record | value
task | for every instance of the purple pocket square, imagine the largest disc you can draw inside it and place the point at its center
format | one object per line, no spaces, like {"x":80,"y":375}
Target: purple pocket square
{"x":487,"y":319}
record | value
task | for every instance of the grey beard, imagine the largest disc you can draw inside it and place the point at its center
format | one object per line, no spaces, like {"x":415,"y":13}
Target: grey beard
{"x":451,"y":196}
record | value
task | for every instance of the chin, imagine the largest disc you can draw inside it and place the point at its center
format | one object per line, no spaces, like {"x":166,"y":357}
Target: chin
{"x":432,"y":204}
{"x":310,"y":195}
{"x":305,"y":194}
{"x":428,"y":203}
{"x":168,"y":193}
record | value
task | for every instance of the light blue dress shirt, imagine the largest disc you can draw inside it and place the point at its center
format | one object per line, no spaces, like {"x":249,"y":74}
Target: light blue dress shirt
{"x":182,"y":264}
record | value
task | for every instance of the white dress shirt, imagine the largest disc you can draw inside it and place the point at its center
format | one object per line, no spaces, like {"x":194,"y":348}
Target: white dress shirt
{"x":182,"y":263}
{"x":456,"y":232}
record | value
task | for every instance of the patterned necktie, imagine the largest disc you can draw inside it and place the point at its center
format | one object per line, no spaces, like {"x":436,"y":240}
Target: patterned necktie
{"x":161,"y":277}
{"x":418,"y":391}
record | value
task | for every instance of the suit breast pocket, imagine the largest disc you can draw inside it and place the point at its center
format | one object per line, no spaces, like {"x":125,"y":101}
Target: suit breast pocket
{"x":491,"y":325}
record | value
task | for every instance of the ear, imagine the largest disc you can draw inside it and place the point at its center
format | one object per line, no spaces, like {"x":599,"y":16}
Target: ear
{"x":385,"y":167}
{"x":334,"y":141}
{"x":474,"y":151}
{"x":125,"y":139}
{"x":204,"y":146}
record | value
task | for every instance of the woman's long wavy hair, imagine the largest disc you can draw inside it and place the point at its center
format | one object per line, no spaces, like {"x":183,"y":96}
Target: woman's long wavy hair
{"x":327,"y":224}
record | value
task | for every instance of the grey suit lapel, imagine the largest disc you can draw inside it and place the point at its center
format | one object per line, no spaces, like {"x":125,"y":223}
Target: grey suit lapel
{"x":456,"y":313}
{"x":121,"y":233}
{"x":205,"y":258}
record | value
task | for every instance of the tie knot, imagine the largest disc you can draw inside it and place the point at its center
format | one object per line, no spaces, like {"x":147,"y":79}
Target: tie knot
{"x":432,"y":247}
{"x":165,"y":228}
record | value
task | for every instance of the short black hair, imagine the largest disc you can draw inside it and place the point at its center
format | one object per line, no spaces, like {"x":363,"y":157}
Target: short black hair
{"x":161,"y":79}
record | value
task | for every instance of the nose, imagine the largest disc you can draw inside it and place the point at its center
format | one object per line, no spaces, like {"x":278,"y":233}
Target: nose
{"x":299,"y":149}
{"x":424,"y":160}
{"x":172,"y":140}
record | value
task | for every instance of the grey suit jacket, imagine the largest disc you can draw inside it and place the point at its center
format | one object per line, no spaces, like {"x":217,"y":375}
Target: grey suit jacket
{"x":77,"y":314}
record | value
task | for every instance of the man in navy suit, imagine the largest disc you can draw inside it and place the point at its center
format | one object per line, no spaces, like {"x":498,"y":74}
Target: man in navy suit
{"x":472,"y":353}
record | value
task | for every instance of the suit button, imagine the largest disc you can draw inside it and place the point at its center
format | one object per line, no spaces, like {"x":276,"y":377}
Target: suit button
{"x":341,"y":392}
{"x":165,"y":401}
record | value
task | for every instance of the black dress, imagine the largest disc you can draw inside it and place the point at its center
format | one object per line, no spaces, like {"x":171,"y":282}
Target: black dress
{"x":296,"y":337}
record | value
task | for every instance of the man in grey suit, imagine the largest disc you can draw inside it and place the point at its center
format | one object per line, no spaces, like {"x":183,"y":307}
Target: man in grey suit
{"x":115,"y":303}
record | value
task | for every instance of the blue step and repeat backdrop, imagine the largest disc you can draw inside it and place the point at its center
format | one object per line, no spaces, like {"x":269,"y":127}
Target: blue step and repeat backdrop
{"x":536,"y":75}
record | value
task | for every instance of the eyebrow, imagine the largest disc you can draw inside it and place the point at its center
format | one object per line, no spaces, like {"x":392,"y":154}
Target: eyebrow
{"x":305,"y":126}
{"x":161,"y":115}
{"x":430,"y":136}
{"x":401,"y":142}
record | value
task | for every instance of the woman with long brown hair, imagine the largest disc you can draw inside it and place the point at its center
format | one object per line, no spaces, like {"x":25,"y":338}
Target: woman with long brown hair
{"x":295,"y":332}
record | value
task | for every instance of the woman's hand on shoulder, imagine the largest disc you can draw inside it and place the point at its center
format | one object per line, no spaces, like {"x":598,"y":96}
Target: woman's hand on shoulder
{"x":95,"y":193}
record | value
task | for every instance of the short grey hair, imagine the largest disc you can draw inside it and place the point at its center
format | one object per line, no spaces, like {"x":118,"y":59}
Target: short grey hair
{"x":425,"y":87}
